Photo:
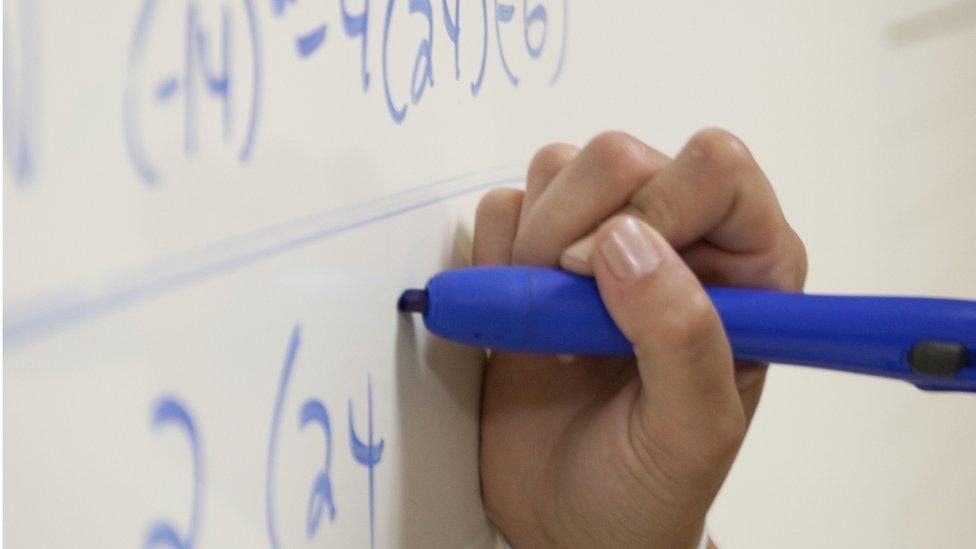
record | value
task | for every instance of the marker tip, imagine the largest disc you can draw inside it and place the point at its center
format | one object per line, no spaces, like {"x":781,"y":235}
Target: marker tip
{"x":413,"y":301}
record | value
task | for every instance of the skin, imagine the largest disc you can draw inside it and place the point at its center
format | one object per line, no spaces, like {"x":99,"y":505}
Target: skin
{"x":614,"y":452}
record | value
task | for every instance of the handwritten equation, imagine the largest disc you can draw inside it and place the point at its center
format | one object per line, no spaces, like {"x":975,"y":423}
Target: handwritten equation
{"x":171,"y":412}
{"x":209,"y":78}
{"x":212,"y":81}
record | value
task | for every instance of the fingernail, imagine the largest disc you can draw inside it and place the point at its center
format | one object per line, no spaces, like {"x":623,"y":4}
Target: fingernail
{"x":628,"y":250}
{"x":576,"y":257}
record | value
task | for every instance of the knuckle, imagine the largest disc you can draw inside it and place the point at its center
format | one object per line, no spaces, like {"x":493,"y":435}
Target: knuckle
{"x":782,"y":275}
{"x":708,"y":446}
{"x":693,"y":322}
{"x":498,"y":205}
{"x":525,"y":251}
{"x":786,"y":269}
{"x":652,"y":206}
{"x":801,"y":263}
{"x":724,"y":437}
{"x":715,"y":447}
{"x":520,"y":248}
{"x":773,"y":270}
{"x":721,"y":149}
{"x":548,"y":160}
{"x":622,"y":154}
{"x":730,"y":431}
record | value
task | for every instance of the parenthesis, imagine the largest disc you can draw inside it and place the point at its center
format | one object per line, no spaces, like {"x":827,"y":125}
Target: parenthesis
{"x":248,"y":143}
{"x":293,"y":344}
{"x":562,"y":49}
{"x":130,"y":111}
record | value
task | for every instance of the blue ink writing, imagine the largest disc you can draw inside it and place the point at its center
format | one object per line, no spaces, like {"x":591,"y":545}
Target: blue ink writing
{"x":307,"y":43}
{"x":367,"y":454}
{"x":358,"y":25}
{"x":293,"y":342}
{"x":562,"y":48}
{"x":220,"y":81}
{"x":503,"y":14}
{"x":320,"y":500}
{"x":166,"y":89}
{"x":454,"y":33}
{"x":19,"y":91}
{"x":252,"y":25}
{"x":217,"y":84}
{"x":169,"y":411}
{"x":209,"y":69}
{"x":278,"y":6}
{"x":476,"y":85}
{"x":537,"y":15}
{"x":397,"y":113}
{"x":423,"y":52}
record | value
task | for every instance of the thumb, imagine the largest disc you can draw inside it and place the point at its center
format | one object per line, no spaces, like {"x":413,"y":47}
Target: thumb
{"x":688,"y":400}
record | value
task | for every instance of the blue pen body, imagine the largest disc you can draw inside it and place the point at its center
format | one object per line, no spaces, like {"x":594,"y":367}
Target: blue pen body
{"x":535,"y":310}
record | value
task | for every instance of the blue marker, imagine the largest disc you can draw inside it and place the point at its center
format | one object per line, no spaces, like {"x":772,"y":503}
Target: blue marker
{"x":928,"y":342}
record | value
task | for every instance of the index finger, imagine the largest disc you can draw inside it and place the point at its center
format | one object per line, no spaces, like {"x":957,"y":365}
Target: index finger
{"x":596,"y":183}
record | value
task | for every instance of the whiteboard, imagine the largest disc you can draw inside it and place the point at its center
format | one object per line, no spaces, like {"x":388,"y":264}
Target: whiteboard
{"x":210,"y":208}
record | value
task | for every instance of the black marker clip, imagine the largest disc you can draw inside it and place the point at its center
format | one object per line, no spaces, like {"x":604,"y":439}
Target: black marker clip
{"x":937,"y":358}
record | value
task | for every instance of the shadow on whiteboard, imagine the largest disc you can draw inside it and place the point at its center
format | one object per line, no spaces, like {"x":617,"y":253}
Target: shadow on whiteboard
{"x":439,"y":401}
{"x":936,"y":22}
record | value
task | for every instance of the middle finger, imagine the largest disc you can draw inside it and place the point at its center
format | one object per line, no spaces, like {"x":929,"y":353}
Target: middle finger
{"x":595,"y":184}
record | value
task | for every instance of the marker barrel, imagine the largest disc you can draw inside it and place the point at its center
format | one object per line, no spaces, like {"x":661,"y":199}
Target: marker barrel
{"x":535,"y":310}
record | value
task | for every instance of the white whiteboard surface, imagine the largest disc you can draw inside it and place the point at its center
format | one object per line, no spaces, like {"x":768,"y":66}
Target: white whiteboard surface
{"x":210,"y":208}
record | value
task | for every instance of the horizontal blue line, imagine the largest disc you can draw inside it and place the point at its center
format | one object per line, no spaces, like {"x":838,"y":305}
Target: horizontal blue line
{"x":56,"y":310}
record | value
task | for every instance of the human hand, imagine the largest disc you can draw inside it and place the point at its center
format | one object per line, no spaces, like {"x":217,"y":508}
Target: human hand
{"x":620,"y":452}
